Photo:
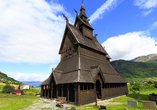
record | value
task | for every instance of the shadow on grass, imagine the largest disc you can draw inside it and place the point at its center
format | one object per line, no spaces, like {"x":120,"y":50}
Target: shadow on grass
{"x":143,"y":96}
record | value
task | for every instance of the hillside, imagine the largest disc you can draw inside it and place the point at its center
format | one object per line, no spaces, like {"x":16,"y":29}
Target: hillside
{"x":151,"y":58}
{"x":131,"y":70}
{"x":3,"y":76}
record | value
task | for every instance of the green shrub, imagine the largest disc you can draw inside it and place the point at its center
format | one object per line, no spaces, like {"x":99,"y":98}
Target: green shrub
{"x":148,"y":86}
{"x":131,"y":83}
{"x":7,"y":88}
{"x":131,"y":90}
{"x":137,"y":86}
{"x":155,"y":84}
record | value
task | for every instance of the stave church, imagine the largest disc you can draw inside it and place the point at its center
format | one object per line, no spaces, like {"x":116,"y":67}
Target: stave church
{"x":84,"y":67}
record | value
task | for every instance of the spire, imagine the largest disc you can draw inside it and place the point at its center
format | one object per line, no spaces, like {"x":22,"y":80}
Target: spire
{"x":82,"y":12}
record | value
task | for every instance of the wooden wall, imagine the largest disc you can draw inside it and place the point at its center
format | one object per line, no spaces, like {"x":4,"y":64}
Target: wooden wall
{"x":114,"y":92}
{"x":86,"y":96}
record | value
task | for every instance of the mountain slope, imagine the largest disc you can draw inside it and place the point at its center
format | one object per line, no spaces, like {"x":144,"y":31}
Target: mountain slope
{"x":4,"y":76}
{"x":151,"y":58}
{"x":129,"y":69}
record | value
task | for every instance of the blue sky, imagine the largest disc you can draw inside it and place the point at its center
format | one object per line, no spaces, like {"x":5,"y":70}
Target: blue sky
{"x":31,"y":32}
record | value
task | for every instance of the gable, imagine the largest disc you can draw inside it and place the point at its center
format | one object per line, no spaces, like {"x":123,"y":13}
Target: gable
{"x":67,"y":42}
{"x":97,"y":74}
{"x":77,"y":23}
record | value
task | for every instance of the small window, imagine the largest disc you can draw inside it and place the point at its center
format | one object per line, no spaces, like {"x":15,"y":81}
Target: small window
{"x":85,"y":86}
{"x":81,"y":86}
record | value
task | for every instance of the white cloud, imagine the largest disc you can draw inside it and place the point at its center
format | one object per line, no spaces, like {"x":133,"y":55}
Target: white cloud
{"x":146,"y":4}
{"x":130,"y":45}
{"x":27,"y":77}
{"x":145,"y":13}
{"x":153,"y":26}
{"x":31,"y":31}
{"x":107,"y":6}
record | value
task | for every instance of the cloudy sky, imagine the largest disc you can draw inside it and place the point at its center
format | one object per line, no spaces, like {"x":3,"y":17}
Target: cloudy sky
{"x":31,"y":32}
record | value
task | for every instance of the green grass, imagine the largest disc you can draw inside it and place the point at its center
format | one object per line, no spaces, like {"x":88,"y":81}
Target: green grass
{"x":3,"y":84}
{"x":32,"y":91}
{"x":125,"y":98}
{"x":16,"y":102}
{"x":144,"y":97}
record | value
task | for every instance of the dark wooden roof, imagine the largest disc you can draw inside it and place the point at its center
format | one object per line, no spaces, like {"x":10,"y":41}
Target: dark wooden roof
{"x":91,"y":43}
{"x":110,"y":78}
{"x":73,"y":71}
{"x":83,"y":22}
{"x":46,"y":82}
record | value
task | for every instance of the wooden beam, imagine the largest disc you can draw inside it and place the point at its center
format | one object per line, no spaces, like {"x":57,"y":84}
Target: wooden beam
{"x":48,"y":94}
{"x":52,"y":92}
{"x":57,"y":91}
{"x":75,"y":86}
{"x":78,"y":94}
{"x":62,"y":90}
{"x":41,"y":95}
{"x":67,"y":93}
{"x":45,"y":91}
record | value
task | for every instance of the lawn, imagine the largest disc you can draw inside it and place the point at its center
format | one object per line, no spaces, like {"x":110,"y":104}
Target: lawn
{"x":16,"y":102}
{"x":144,"y":97}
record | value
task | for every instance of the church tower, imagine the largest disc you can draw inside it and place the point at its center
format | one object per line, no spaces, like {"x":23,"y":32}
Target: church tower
{"x":84,"y":67}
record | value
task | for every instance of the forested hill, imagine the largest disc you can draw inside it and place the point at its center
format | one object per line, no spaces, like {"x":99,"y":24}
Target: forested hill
{"x":130,"y":69}
{"x":4,"y":76}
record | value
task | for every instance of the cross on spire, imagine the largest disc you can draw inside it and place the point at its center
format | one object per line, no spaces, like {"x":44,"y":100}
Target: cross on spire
{"x":82,"y":1}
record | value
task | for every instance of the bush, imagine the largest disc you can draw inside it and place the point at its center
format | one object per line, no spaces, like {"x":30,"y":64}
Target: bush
{"x":131,"y":83}
{"x":137,"y":86}
{"x":148,"y":86}
{"x":155,"y":84}
{"x":131,"y":90}
{"x":7,"y":88}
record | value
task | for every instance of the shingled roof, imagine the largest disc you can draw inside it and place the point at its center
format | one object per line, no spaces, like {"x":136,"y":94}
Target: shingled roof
{"x":93,"y":43}
{"x":89,"y":69}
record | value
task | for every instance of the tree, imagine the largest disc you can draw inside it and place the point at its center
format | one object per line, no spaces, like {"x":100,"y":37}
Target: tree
{"x":7,"y":88}
{"x":19,"y":86}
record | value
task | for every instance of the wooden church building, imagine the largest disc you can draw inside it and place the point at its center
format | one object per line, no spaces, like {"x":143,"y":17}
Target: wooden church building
{"x":84,"y":67}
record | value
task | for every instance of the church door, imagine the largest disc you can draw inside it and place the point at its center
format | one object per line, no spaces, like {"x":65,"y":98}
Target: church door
{"x":98,"y":89}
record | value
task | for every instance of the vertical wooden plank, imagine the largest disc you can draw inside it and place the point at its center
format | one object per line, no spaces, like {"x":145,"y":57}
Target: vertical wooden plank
{"x":68,"y":93}
{"x":45,"y":90}
{"x":62,"y":90}
{"x":41,"y":95}
{"x":75,"y":94}
{"x":48,"y":92}
{"x":78,"y":94}
{"x":57,"y":91}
